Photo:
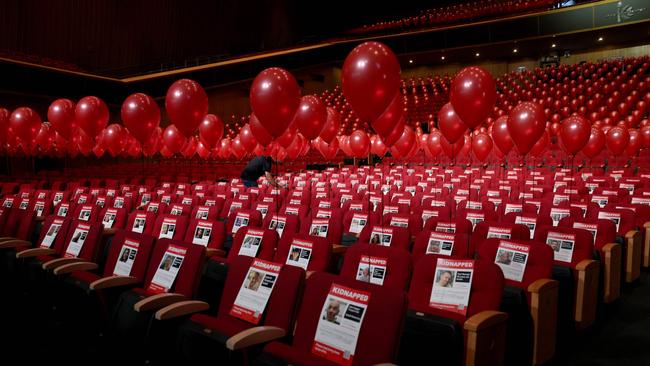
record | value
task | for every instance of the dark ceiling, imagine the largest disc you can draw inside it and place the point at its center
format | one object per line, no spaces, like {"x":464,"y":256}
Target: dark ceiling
{"x":132,"y":37}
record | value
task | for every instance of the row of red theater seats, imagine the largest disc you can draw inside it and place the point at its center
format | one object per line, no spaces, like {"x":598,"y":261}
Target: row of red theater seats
{"x":622,"y":223}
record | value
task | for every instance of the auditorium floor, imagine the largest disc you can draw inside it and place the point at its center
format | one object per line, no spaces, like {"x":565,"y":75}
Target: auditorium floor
{"x":622,"y":336}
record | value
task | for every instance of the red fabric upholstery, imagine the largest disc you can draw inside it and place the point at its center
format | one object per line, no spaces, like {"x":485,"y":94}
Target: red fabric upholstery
{"x":398,"y":270}
{"x":334,"y":230}
{"x":94,"y":212}
{"x":582,"y":249}
{"x":401,"y":237}
{"x":487,"y":288}
{"x":255,"y":218}
{"x":267,"y":246}
{"x":150,"y":221}
{"x":516,"y":231}
{"x":145,"y":247}
{"x":181,"y":226}
{"x":120,"y":217}
{"x":292,"y":223}
{"x":384,"y":315}
{"x":217,"y":235}
{"x":462,"y":226}
{"x":606,"y":229}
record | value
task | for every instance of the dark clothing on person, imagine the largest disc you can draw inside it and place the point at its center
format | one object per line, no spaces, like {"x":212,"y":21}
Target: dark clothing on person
{"x":255,"y":169}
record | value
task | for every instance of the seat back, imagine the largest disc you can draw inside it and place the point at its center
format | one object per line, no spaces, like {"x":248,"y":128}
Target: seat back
{"x":283,"y":224}
{"x":170,"y":227}
{"x":240,"y":218}
{"x":55,"y":229}
{"x":114,"y":218}
{"x":82,"y":240}
{"x":309,"y":252}
{"x":570,"y":246}
{"x":210,"y":234}
{"x":254,"y":242}
{"x":87,"y":212}
{"x":141,"y":222}
{"x":435,"y":242}
{"x":280,"y":308}
{"x":379,"y":265}
{"x":190,"y":267}
{"x":330,"y":229}
{"x":386,"y":235}
{"x":384,"y":315}
{"x":132,"y":252}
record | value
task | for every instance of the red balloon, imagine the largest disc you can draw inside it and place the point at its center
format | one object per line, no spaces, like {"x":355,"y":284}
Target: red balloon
{"x":574,"y":134}
{"x":262,"y":136}
{"x":390,"y":118}
{"x":134,"y":148}
{"x":482,"y":146}
{"x":433,"y":143}
{"x":274,"y":98}
{"x":140,"y":115}
{"x":344,"y":145}
{"x":359,"y":144}
{"x":237,"y":148}
{"x":617,"y":139}
{"x":328,"y":150}
{"x":287,"y":138}
{"x":370,"y":79}
{"x":645,"y":136}
{"x":294,"y":149}
{"x":406,"y":141}
{"x":92,"y":115}
{"x":113,"y":139}
{"x":202,"y":151}
{"x":45,"y":137}
{"x":473,"y":95}
{"x":395,"y":135}
{"x":451,"y":150}
{"x":377,"y":146}
{"x":83,"y":142}
{"x":501,"y":136}
{"x":61,"y":115}
{"x":450,"y":124}
{"x":4,"y":125}
{"x":153,"y":144}
{"x":186,"y":104}
{"x":540,"y":145}
{"x":634,"y":145}
{"x":173,"y":139}
{"x":225,"y":149}
{"x":595,"y":144}
{"x":331,"y":126}
{"x":526,"y":125}
{"x":98,"y":150}
{"x":211,"y":131}
{"x":247,"y":138}
{"x":310,"y":117}
{"x":25,"y":124}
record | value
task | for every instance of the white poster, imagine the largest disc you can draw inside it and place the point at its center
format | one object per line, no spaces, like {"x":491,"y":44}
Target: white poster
{"x":202,"y":213}
{"x":399,"y":222}
{"x":592,"y":228}
{"x":139,"y":222}
{"x":324,"y":214}
{"x":84,"y":214}
{"x":168,"y":269}
{"x":300,"y":253}
{"x":278,"y":223}
{"x":381,"y":236}
{"x":51,"y":234}
{"x":77,"y":242}
{"x":499,"y":232}
{"x":390,"y":209}
{"x":372,"y":269}
{"x":511,"y":207}
{"x":319,"y":227}
{"x":475,"y":218}
{"x":512,"y":259}
{"x":167,"y":229}
{"x":176,"y":210}
{"x":557,"y":214}
{"x":446,"y":227}
{"x":126,"y":258}
{"x":109,"y":218}
{"x":452,"y":285}
{"x":242,"y":219}
{"x":357,"y":223}
{"x":255,"y":291}
{"x":153,"y":207}
{"x":251,"y":243}
{"x":440,"y":243}
{"x":263,"y":209}
{"x":39,"y":207}
{"x":202,"y":233}
{"x":530,"y":222}
{"x":338,"y":328}
{"x":427,"y":214}
{"x":562,"y":245}
{"x":600,"y":200}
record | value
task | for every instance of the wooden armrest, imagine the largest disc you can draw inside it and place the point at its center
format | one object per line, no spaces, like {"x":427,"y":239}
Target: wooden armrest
{"x":157,"y":301}
{"x":254,"y":336}
{"x":630,"y":234}
{"x":210,"y":252}
{"x":109,"y":231}
{"x":485,"y":319}
{"x":54,"y":263}
{"x":338,"y":248}
{"x":610,"y":247}
{"x":612,"y":270}
{"x":541,"y":285}
{"x":586,"y":264}
{"x":181,"y":308}
{"x":5,"y":238}
{"x":113,"y":281}
{"x":76,"y":266}
{"x":646,"y":225}
{"x":309,"y":273}
{"x":15,"y":243}
{"x":35,"y":252}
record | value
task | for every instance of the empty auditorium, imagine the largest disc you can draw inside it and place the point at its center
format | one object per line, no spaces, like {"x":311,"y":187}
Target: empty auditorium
{"x":351,"y":183}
